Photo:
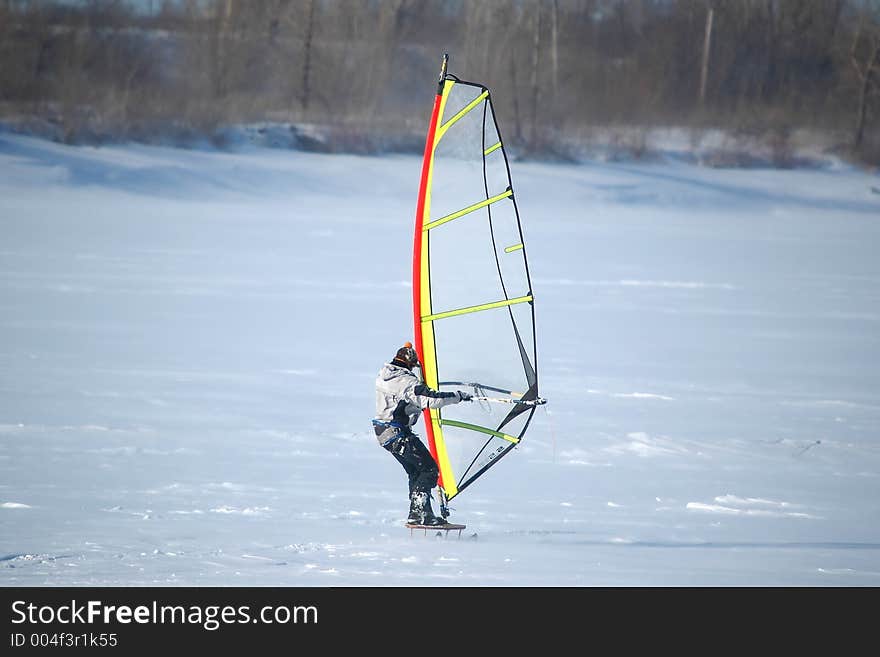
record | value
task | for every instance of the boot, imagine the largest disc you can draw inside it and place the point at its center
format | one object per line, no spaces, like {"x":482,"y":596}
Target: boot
{"x":428,"y":517}
{"x":415,"y":509}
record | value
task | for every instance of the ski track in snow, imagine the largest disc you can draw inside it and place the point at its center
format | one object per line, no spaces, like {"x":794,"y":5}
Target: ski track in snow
{"x":750,"y":506}
{"x":717,"y":508}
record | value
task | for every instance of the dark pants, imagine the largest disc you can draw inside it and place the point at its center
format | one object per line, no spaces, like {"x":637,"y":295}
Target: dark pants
{"x":415,"y":458}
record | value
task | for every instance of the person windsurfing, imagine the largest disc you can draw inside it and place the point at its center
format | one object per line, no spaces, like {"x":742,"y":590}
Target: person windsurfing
{"x":400,"y":398}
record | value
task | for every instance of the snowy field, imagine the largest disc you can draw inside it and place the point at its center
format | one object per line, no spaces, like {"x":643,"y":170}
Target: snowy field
{"x":188,"y":342}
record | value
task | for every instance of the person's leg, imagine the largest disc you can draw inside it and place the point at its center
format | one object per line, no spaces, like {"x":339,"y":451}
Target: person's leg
{"x":424,"y":482}
{"x":422,"y":470}
{"x":427,"y":471}
{"x":412,"y":465}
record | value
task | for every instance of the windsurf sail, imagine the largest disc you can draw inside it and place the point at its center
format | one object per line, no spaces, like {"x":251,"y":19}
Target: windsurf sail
{"x":473,"y":302}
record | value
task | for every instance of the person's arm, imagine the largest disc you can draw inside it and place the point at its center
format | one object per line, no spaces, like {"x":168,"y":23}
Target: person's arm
{"x":425,"y":397}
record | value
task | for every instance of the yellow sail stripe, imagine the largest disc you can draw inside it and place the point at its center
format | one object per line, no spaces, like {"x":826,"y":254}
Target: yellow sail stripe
{"x":491,"y":149}
{"x":426,"y":216}
{"x":474,"y":309}
{"x":430,"y":376}
{"x":464,"y":110}
{"x":429,"y":357}
{"x":450,"y":481}
{"x":515,"y":247}
{"x":474,"y":427}
{"x":467,"y":210}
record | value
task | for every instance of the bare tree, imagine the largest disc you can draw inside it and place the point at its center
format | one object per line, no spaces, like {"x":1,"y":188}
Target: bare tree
{"x":865,"y":59}
{"x":707,"y":44}
{"x":478,"y":47}
{"x":554,"y":48}
{"x":305,"y":89}
{"x":536,"y":50}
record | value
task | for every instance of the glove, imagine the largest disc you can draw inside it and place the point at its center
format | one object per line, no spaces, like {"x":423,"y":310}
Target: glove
{"x":464,"y":396}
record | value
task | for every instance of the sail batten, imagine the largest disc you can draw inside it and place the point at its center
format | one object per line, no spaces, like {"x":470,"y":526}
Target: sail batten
{"x":467,"y":108}
{"x":471,"y":208}
{"x":473,"y":302}
{"x":474,"y":427}
{"x":475,"y":309}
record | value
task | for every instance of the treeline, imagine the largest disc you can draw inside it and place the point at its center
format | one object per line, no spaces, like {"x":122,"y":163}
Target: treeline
{"x":363,"y":71}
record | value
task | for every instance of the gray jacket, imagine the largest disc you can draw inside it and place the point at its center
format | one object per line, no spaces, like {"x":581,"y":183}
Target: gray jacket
{"x":401,"y":396}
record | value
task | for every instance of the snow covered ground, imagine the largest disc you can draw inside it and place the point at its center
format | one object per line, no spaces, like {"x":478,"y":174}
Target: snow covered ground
{"x":188,"y":342}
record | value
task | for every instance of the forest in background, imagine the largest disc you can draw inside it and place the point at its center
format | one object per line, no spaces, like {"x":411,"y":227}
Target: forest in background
{"x":359,"y":75}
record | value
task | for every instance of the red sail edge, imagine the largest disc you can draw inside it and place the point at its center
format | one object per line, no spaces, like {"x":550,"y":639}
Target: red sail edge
{"x":417,"y":256}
